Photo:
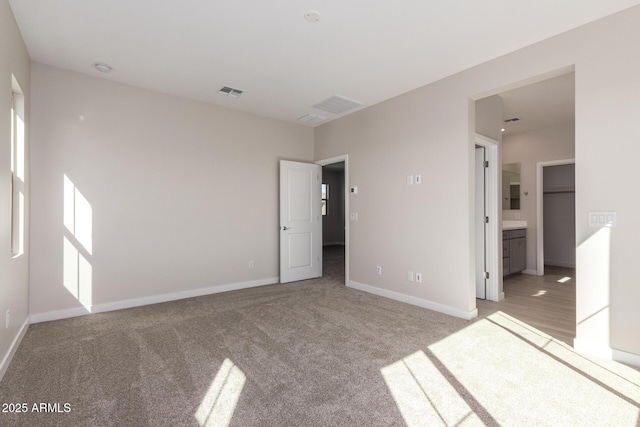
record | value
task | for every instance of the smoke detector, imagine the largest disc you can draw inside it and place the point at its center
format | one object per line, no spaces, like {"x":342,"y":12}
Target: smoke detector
{"x":103,"y":68}
{"x":312,"y":17}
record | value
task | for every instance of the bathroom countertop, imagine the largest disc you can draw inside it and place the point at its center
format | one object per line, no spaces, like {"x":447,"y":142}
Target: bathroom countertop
{"x":513,"y":224}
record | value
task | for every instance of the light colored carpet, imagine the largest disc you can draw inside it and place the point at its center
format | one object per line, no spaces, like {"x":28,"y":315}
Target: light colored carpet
{"x":311,"y":353}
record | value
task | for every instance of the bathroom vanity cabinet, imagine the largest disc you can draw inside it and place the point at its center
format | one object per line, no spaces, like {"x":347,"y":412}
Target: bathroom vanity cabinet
{"x":514,"y":251}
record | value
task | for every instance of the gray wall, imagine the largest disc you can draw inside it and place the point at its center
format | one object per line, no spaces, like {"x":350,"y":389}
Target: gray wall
{"x":528,"y":148}
{"x":429,"y":227}
{"x":14,"y":271}
{"x":333,"y":222}
{"x":182,"y":194}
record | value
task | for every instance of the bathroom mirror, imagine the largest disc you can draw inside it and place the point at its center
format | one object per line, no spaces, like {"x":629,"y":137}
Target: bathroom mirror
{"x":511,"y":186}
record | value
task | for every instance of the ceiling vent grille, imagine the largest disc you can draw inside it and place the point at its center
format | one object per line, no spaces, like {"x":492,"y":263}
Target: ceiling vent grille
{"x":229,"y":91}
{"x":513,"y":119}
{"x":337,"y":105}
{"x":311,"y":119}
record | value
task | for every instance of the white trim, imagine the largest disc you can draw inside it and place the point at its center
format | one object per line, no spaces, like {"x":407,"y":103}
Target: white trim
{"x":494,"y":238}
{"x":137,"y":302}
{"x":560,"y":263}
{"x":337,"y":159}
{"x":592,"y":348}
{"x":595,"y":349}
{"x":13,"y":348}
{"x":539,"y":210}
{"x":441,"y":308}
{"x":530,"y":272}
{"x":626,"y":358}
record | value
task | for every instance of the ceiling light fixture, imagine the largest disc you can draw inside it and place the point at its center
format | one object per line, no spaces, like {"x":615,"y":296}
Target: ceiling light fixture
{"x":312,"y":17}
{"x":502,"y":130}
{"x":103,"y":68}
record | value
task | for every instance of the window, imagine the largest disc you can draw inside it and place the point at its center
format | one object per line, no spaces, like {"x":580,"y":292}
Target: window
{"x":325,"y":198}
{"x":17,"y":169}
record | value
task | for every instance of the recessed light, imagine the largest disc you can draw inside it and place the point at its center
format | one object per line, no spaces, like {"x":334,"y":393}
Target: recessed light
{"x":312,"y":16}
{"x":103,"y":68}
{"x":502,"y":130}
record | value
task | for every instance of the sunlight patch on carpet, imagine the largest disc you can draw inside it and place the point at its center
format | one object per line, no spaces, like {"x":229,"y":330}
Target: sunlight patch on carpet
{"x":505,"y":363}
{"x":423,"y":395}
{"x":218,"y":405}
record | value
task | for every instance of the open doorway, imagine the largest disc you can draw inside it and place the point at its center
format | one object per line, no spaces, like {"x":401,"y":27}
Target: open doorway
{"x":334,"y":218}
{"x":538,"y":131}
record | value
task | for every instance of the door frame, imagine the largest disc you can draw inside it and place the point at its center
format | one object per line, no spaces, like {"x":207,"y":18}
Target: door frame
{"x":493,"y":241}
{"x":540,"y":209}
{"x":337,"y":159}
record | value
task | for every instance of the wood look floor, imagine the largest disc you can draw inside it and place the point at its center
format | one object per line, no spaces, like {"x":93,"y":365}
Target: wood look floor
{"x":543,"y":302}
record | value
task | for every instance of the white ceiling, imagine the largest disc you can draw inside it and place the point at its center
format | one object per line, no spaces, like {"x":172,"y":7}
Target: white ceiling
{"x":362,"y":50}
{"x":539,"y":105}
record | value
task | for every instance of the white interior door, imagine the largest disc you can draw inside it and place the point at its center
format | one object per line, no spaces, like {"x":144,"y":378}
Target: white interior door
{"x":300,"y":221}
{"x":480,"y":213}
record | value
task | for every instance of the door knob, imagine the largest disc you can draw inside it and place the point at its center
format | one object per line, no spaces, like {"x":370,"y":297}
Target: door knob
{"x":286,"y":228}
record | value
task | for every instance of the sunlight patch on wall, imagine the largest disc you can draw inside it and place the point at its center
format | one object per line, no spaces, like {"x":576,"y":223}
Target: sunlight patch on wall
{"x":78,"y":215}
{"x":423,"y":395}
{"x":77,"y":275}
{"x":218,"y":405}
{"x":592,"y":300}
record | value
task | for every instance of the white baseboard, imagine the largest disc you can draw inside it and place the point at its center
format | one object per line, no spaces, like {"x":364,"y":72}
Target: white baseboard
{"x":592,"y":348}
{"x":501,"y":296}
{"x":605,"y":352}
{"x":626,"y":358}
{"x":13,"y":348}
{"x":559,"y":263}
{"x":531,"y":272}
{"x":119,"y":305}
{"x":441,"y":308}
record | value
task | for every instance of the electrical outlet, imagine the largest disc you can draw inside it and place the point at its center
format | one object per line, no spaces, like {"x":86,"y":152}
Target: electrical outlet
{"x":251,"y":265}
{"x":378,"y":270}
{"x":409,"y":276}
{"x":419,"y":277}
{"x":8,"y":319}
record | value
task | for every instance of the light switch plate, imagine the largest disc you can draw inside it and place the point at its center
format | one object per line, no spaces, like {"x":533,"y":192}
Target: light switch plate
{"x":353,"y":216}
{"x":409,"y":179}
{"x":602,"y":219}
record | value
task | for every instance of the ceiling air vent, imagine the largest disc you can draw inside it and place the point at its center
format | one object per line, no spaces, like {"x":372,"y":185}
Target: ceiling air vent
{"x":229,"y":91}
{"x":513,"y":119}
{"x":311,"y":119}
{"x":337,"y":104}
